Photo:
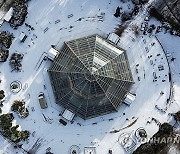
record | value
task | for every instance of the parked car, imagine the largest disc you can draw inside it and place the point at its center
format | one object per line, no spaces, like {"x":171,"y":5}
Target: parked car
{"x":42,"y":101}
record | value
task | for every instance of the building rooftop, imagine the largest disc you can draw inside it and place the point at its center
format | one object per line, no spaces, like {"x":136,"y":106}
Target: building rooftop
{"x":90,"y":76}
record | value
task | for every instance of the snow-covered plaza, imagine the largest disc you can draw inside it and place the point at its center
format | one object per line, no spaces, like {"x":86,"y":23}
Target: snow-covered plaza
{"x":59,"y":21}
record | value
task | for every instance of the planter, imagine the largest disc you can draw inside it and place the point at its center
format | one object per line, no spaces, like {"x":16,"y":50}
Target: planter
{"x":15,"y":86}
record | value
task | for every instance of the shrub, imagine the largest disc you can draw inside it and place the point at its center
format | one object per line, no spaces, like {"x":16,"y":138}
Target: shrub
{"x":24,"y":135}
{"x":10,"y":131}
{"x":166,"y":128}
{"x":74,"y":152}
{"x":19,"y":13}
{"x":15,"y":61}
{"x":3,"y":55}
{"x":165,"y":131}
{"x":14,"y":86}
{"x":177,"y":116}
{"x":6,"y":121}
{"x":6,"y":39}
{"x":145,"y":148}
{"x":1,"y":103}
{"x":126,"y":16}
{"x":2,"y":95}
{"x":17,"y":105}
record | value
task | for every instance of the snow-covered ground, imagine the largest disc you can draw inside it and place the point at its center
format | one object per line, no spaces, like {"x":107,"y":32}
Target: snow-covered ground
{"x":53,"y":26}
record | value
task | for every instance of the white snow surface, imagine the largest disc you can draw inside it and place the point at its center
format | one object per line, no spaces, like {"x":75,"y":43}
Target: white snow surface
{"x":53,"y":27}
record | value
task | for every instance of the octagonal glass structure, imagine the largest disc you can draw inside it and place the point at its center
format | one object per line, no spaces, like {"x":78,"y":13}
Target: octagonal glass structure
{"x":90,"y":76}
